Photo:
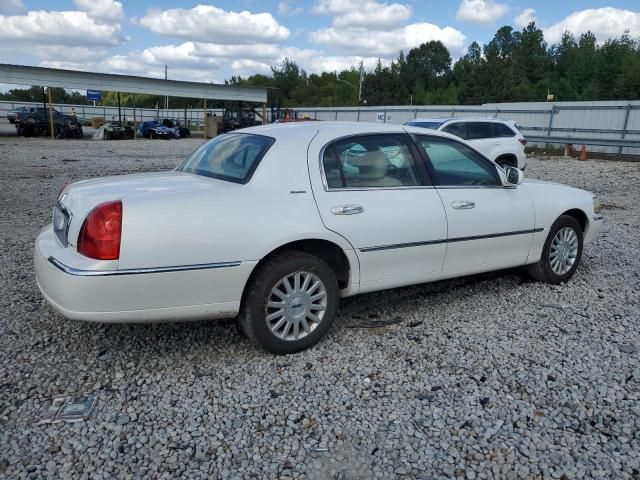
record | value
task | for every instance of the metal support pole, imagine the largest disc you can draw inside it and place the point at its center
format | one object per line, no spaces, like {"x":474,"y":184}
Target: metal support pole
{"x":119,"y":113}
{"x":385,"y":117}
{"x":415,"y":113}
{"x":135,"y":130}
{"x":553,"y":110}
{"x":624,"y":127}
{"x":204,"y":119}
{"x":358,"y":118}
{"x":264,"y":113}
{"x":53,"y":135}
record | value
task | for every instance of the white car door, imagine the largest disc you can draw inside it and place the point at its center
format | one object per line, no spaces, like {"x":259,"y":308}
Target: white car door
{"x":373,"y":190}
{"x":490,"y":226}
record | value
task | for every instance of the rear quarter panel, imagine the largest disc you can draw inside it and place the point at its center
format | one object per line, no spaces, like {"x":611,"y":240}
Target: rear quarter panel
{"x":234,"y":223}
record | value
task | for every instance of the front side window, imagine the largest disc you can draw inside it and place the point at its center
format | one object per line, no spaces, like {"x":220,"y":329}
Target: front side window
{"x":458,"y":129}
{"x":455,"y":164}
{"x":370,"y":161}
{"x":232,"y":157}
{"x":477,"y":130}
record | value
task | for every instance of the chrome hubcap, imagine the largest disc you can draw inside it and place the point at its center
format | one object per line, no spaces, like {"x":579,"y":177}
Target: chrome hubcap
{"x":296,"y":306}
{"x":563,"y":251}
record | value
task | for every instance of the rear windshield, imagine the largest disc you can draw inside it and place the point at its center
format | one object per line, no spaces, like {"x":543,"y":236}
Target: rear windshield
{"x":232,"y":157}
{"x":430,"y":125}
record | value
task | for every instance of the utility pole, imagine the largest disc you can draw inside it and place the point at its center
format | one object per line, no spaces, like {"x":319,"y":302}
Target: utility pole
{"x":166,"y":99}
{"x":360,"y":86}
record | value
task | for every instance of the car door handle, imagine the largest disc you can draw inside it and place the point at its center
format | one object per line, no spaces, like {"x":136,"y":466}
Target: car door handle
{"x":346,"y":209}
{"x":463,"y":205}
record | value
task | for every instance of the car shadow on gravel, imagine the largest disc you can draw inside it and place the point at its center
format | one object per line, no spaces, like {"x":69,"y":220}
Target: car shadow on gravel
{"x":221,"y":338}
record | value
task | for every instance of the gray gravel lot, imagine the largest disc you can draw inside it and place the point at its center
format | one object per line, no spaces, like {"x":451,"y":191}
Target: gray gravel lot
{"x":492,"y":376}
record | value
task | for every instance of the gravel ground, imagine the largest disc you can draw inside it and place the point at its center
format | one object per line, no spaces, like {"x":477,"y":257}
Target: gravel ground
{"x":492,"y":376}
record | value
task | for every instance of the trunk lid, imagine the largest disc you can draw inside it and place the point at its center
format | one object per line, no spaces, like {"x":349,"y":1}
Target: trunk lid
{"x":78,"y":199}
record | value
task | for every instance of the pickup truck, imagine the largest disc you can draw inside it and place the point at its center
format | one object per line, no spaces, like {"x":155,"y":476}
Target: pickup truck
{"x":35,"y":120}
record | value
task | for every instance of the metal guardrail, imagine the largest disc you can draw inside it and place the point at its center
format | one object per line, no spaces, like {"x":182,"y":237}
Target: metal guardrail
{"x":601,"y":142}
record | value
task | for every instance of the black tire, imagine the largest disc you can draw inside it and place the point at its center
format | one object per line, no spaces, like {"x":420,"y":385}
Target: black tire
{"x":253,"y":311}
{"x":542,"y":270}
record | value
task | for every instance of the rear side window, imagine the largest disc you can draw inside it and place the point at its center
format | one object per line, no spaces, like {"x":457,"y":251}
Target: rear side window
{"x":502,"y":130}
{"x":478,"y":130}
{"x":370,"y":161}
{"x":232,"y":157}
{"x":457,"y":129}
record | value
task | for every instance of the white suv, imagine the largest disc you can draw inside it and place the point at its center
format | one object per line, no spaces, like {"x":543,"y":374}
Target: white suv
{"x":499,"y":140}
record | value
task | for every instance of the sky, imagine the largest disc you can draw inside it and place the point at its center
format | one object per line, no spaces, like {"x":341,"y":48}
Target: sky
{"x":210,"y":41}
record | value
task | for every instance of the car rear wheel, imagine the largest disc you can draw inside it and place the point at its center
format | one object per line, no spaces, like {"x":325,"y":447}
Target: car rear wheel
{"x":290,"y":303}
{"x":562,"y":252}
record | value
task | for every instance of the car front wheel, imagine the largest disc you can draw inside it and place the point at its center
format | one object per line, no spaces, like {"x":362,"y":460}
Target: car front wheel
{"x":290,"y":303}
{"x":562,"y":252}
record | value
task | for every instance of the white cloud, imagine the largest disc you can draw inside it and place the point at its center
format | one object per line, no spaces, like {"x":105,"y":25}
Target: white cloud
{"x":11,"y":7}
{"x":70,"y":54}
{"x":385,"y":43}
{"x":364,"y":13}
{"x":212,"y":24}
{"x":287,"y":7}
{"x":527,"y":16}
{"x":604,"y":23}
{"x":480,"y":11}
{"x":245,"y":67}
{"x":338,"y":63}
{"x":184,"y":55}
{"x":70,"y":28}
{"x":107,"y":11}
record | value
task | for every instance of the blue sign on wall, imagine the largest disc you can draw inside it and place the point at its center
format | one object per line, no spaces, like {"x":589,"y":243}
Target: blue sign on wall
{"x":94,"y":95}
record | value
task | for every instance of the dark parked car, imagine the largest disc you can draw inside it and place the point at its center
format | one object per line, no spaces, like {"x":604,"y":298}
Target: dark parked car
{"x":165,"y":129}
{"x":235,"y":120}
{"x":11,"y":116}
{"x":35,"y":121}
{"x":117,"y":131}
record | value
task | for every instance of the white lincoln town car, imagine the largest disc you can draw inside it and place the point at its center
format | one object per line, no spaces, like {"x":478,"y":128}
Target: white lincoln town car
{"x":275,"y":224}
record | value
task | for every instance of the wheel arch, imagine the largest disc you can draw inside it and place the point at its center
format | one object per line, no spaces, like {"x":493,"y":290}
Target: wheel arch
{"x":328,"y":251}
{"x":508,"y":159}
{"x":580,"y":216}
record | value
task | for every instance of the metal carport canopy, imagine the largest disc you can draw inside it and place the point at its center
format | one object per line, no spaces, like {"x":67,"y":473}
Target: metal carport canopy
{"x":54,"y":77}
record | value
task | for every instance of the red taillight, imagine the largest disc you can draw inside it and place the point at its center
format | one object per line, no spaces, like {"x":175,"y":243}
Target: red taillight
{"x":523,"y":141}
{"x":100,"y":234}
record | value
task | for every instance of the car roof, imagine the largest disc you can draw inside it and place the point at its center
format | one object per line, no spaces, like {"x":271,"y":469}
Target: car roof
{"x":283,"y":131}
{"x":434,"y":119}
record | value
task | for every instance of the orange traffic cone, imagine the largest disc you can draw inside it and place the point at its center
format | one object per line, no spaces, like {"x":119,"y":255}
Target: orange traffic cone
{"x":583,"y":153}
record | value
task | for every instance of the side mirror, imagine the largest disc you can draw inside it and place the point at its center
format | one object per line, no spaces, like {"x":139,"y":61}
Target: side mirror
{"x":514,"y":176}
